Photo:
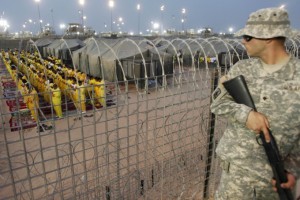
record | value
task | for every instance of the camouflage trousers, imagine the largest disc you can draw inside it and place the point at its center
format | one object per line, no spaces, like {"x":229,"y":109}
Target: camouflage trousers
{"x":240,"y":184}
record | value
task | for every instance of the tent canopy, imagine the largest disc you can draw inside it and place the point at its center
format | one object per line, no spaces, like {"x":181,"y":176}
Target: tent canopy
{"x":100,"y":57}
{"x":63,"y":45}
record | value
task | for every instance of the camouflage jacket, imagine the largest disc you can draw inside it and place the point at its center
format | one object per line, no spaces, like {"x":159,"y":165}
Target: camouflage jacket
{"x":276,"y":95}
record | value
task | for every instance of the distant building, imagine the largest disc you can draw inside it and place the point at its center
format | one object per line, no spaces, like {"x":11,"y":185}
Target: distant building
{"x":89,"y":31}
{"x":74,"y":29}
{"x":191,"y":31}
{"x":48,"y":31}
{"x":207,"y":32}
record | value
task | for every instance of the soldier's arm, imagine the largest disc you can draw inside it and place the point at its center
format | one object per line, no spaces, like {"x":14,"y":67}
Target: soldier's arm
{"x":224,"y":105}
{"x":292,"y":161}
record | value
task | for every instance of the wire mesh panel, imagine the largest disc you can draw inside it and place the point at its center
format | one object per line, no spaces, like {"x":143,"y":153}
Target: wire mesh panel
{"x":147,"y":143}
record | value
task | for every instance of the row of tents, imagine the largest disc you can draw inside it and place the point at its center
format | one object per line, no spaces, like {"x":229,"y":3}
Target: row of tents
{"x":131,"y":58}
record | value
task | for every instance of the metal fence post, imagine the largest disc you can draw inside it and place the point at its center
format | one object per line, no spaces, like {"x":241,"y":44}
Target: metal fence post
{"x":214,"y":83}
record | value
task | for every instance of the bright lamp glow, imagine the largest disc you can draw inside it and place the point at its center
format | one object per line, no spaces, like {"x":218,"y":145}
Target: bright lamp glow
{"x":111,"y":3}
{"x":81,"y":2}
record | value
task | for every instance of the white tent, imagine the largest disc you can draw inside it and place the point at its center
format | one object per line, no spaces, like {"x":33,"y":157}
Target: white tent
{"x":210,"y":47}
{"x":103,"y":57}
{"x":42,"y":42}
{"x":61,"y":47}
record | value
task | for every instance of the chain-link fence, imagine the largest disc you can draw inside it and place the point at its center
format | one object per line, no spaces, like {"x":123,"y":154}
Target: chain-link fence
{"x":152,"y":137}
{"x":146,"y":144}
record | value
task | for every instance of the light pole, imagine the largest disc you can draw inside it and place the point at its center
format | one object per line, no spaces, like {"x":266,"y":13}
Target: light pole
{"x":52,"y":19}
{"x":173,"y":22}
{"x":183,"y":11}
{"x":38,"y":5}
{"x":111,"y":4}
{"x":162,"y":19}
{"x":138,"y":7}
{"x":81,"y":2}
{"x":24,"y":27}
{"x":120,"y":24}
{"x":31,"y":23}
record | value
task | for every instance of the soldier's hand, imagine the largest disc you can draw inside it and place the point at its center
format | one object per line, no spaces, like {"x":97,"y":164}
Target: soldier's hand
{"x":290,"y":184}
{"x":258,"y":123}
{"x":223,"y":79}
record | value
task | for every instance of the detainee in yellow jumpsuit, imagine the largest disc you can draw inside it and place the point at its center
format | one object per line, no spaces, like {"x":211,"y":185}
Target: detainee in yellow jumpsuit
{"x":100,"y":91}
{"x":74,"y":92}
{"x":56,"y":100}
{"x":32,"y":101}
{"x":90,"y":92}
{"x":81,"y":94}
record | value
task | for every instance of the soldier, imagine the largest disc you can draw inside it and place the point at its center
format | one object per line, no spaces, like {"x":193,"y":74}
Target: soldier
{"x":273,"y":77}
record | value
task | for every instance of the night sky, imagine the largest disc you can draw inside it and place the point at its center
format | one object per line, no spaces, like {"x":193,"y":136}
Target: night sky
{"x":220,"y":15}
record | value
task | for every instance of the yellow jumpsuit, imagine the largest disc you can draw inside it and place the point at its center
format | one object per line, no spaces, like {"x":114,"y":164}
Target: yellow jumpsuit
{"x":70,"y":89}
{"x":56,"y":101}
{"x":79,"y":98}
{"x":100,"y":92}
{"x":47,"y":91}
{"x":81,"y":90}
{"x":32,"y":102}
{"x":90,"y":89}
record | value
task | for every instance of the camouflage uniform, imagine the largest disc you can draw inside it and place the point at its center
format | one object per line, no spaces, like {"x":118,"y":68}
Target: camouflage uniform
{"x":244,"y":162}
{"x":277,"y":96}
